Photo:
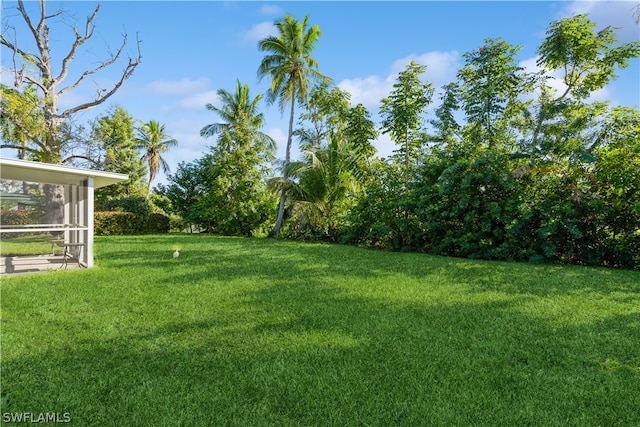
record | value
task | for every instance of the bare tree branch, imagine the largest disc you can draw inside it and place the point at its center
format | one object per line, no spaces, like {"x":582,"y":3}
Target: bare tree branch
{"x":79,"y":41}
{"x":41,"y":37}
{"x":128,"y":71}
{"x":50,"y":141}
{"x":19,"y":74}
{"x":113,"y":60}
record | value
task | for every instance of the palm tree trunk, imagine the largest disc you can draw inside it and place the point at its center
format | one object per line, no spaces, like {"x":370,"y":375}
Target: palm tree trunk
{"x":280,"y":219}
{"x":287,"y":160}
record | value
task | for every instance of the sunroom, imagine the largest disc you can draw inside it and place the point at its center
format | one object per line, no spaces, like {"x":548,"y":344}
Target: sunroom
{"x":46,"y":213}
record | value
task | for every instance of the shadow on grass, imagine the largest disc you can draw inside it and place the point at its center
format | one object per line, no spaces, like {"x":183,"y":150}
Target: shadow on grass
{"x":312,"y":353}
{"x":205,"y":257}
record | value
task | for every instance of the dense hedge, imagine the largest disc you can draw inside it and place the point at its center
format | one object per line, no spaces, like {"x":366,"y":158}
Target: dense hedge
{"x":129,"y":215}
{"x":157,"y":223}
{"x":115,"y":223}
{"x":487,"y":207}
{"x":118,"y":223}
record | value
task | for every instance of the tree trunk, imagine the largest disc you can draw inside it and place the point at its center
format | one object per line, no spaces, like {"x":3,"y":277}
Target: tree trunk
{"x":287,"y":160}
{"x":53,"y":204}
{"x":280,"y":219}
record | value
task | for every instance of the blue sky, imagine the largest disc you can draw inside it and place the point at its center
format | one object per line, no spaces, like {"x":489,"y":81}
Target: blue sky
{"x":192,"y":49}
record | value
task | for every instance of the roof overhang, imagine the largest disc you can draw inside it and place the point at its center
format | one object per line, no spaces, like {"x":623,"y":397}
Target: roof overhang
{"x":24,"y":170}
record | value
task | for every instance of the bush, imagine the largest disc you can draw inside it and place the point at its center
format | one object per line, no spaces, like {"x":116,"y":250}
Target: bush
{"x":129,"y":215}
{"x":138,"y":205}
{"x":20,"y":217}
{"x":115,"y":223}
{"x":158,"y":223}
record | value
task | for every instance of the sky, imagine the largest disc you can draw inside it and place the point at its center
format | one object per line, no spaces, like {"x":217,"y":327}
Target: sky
{"x":191,"y":49}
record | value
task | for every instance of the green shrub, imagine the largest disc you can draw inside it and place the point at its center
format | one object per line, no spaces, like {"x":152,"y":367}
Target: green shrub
{"x":115,"y":223}
{"x":138,"y":205}
{"x":20,"y":217}
{"x":157,"y":223}
{"x":129,"y":215}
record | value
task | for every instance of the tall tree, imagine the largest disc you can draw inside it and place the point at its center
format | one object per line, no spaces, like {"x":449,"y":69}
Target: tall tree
{"x":153,"y":141}
{"x":39,"y":69}
{"x":402,"y":113}
{"x":360,"y":131}
{"x":239,"y":113}
{"x":445,"y":124}
{"x":186,"y":186}
{"x":586,"y":61}
{"x":489,"y":86}
{"x":292,"y":70}
{"x":114,"y":131}
{"x":236,"y":200}
{"x":333,"y":164}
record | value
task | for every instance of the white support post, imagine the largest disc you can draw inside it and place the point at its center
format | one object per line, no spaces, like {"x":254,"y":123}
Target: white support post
{"x":68,"y":209}
{"x":88,"y":212}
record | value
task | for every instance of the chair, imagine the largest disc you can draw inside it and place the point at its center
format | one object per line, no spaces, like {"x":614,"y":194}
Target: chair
{"x":71,"y":251}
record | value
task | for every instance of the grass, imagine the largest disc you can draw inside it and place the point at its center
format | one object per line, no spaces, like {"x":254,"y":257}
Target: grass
{"x":25,"y":244}
{"x":264,"y":332}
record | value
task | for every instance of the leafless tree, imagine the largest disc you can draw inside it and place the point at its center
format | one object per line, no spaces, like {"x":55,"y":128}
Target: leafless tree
{"x":49,"y":75}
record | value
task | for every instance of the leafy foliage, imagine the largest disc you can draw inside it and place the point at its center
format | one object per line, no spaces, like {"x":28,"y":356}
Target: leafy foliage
{"x":402,"y":114}
{"x":225,"y":191}
{"x":129,"y":215}
{"x":335,"y":144}
{"x":153,"y":141}
{"x":293,"y":71}
{"x":115,"y":132}
{"x":550,"y":178}
{"x":20,"y":118}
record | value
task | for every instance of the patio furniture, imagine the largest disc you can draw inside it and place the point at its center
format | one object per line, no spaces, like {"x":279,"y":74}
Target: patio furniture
{"x":71,"y":251}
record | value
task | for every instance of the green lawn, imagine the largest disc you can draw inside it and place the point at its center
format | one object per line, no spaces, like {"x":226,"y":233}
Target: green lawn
{"x":258,"y":332}
{"x":25,"y":244}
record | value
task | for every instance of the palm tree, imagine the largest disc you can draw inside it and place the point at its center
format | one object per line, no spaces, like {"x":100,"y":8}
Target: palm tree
{"x":239,"y":114}
{"x":236,"y":201}
{"x":154,"y":141}
{"x":324,"y":181}
{"x":292,"y":70}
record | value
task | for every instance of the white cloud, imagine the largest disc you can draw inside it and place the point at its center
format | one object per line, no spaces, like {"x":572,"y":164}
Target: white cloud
{"x":190,"y":144}
{"x":280,"y":136}
{"x":259,"y":32}
{"x":72,"y":99}
{"x":384,"y":145}
{"x":183,"y":94}
{"x":441,"y":66}
{"x":441,"y":69}
{"x":367,"y":91}
{"x":198,"y":101}
{"x":619,"y":14}
{"x":177,"y":87}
